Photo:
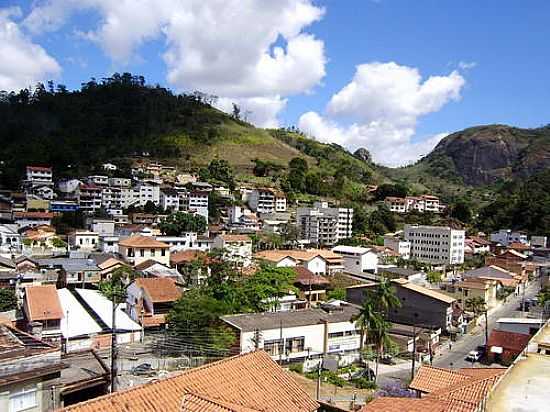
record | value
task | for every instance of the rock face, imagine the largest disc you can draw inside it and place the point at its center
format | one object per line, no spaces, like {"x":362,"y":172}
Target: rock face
{"x":363,"y":154}
{"x":485,"y":154}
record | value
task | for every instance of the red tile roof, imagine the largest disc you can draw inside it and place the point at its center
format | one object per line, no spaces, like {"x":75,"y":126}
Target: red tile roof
{"x":390,"y":404}
{"x":185,"y":256}
{"x":252,"y":381}
{"x":159,"y":289}
{"x":33,"y":215}
{"x":42,"y":303}
{"x":138,"y":241}
{"x":197,"y":403}
{"x":511,"y":341}
{"x":306,"y":277}
{"x":39,"y":168}
{"x":429,"y":379}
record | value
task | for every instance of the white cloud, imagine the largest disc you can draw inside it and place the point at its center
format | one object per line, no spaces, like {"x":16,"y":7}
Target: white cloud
{"x":261,"y":111}
{"x":22,"y":62}
{"x":254,"y":51}
{"x":466,"y":65}
{"x":382,"y":104}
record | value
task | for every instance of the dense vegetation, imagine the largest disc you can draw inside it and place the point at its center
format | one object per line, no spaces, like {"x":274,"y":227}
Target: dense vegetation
{"x":520,"y":205}
{"x":116,"y":116}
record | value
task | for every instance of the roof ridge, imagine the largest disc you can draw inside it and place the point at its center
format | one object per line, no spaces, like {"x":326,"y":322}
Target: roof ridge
{"x":157,"y":382}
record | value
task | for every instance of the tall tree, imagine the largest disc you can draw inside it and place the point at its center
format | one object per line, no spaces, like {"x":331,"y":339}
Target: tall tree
{"x":177,"y":223}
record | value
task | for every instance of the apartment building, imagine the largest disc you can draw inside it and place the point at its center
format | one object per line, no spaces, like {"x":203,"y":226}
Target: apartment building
{"x":267,"y":200}
{"x":424,"y":203}
{"x":197,"y":201}
{"x":324,"y":225}
{"x":39,"y":176}
{"x":169,"y":199}
{"x":398,"y":245}
{"x":90,"y":197}
{"x":436,"y":245}
{"x":506,"y":236}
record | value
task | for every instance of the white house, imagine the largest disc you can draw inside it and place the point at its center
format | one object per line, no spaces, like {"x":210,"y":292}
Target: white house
{"x":147,"y":192}
{"x":267,"y":200}
{"x":398,"y":245}
{"x":358,"y":260}
{"x":186,"y":241}
{"x":237,"y":248}
{"x":39,"y":176}
{"x":539,"y":241}
{"x":137,"y":249}
{"x":311,"y":259}
{"x":297,"y":335}
{"x":32,"y":219}
{"x":10,"y":239}
{"x":84,"y":240}
{"x":108,"y":243}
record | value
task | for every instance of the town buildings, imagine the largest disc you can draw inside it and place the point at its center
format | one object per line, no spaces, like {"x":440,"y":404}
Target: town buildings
{"x":322,"y":225}
{"x":436,"y":245}
{"x":267,"y":200}
{"x":507,"y":236}
{"x":424,"y":203}
{"x":358,"y":260}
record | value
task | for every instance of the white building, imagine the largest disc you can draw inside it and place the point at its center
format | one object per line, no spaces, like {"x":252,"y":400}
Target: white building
{"x":358,"y":260}
{"x":100,"y":180}
{"x":237,"y":248}
{"x":539,"y":241}
{"x":424,"y":203}
{"x":297,"y":335}
{"x":398,"y":245}
{"x":527,"y":326}
{"x":267,"y":200}
{"x":147,"y":192}
{"x":84,"y":240}
{"x":169,"y":199}
{"x":10,"y":239}
{"x":198,"y":202}
{"x":323,"y":225}
{"x":186,"y":241}
{"x":507,"y":236}
{"x":120,"y":182}
{"x":32,"y":219}
{"x":108,"y":243}
{"x":39,"y":176}
{"x":436,"y":245}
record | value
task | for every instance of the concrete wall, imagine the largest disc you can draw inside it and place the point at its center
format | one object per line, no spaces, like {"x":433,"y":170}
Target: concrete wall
{"x":43,"y":389}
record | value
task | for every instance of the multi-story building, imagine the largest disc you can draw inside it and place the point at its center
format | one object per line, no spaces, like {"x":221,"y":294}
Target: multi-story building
{"x":120,"y":182}
{"x":507,"y":236}
{"x":90,"y":197}
{"x":436,"y":245}
{"x":398,"y":245}
{"x":323,"y":225}
{"x":147,"y":192}
{"x":267,"y":200}
{"x":169,"y":199}
{"x":39,"y":176}
{"x":424,"y":203}
{"x":99,"y":180}
{"x":197,"y":201}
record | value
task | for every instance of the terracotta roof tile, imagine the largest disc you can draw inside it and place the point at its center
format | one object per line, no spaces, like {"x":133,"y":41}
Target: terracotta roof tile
{"x":424,"y":291}
{"x":33,"y":215}
{"x":235,"y":238}
{"x":251,"y":381}
{"x":159,"y":289}
{"x":306,"y":277}
{"x":139,"y":241}
{"x":389,"y":404}
{"x":481,"y":373}
{"x":198,"y":403}
{"x":429,"y":379}
{"x":43,"y":303}
{"x":185,"y":256}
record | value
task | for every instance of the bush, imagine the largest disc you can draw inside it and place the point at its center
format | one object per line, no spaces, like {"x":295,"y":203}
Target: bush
{"x":364,"y":383}
{"x":329,"y":377}
{"x":297,"y":367}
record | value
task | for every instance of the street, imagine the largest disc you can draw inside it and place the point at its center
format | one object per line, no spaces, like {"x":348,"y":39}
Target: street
{"x":455,"y":358}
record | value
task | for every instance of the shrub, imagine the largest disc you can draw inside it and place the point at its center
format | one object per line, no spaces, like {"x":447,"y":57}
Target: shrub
{"x":297,"y":367}
{"x":364,"y":383}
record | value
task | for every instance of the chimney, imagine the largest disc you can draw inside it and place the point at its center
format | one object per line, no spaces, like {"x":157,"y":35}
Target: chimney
{"x":35,"y":329}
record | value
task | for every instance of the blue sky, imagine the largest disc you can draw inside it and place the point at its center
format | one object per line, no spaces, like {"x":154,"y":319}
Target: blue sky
{"x":489,"y":60}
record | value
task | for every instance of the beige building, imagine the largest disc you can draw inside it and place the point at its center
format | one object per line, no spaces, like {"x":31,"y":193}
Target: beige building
{"x":137,"y":249}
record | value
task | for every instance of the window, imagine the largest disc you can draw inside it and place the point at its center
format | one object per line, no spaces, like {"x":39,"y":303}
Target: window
{"x":335,"y":335}
{"x":273,"y":347}
{"x":23,"y":399}
{"x":130,"y":252}
{"x":142,"y":252}
{"x":152,"y":252}
{"x":294,"y":345}
{"x":163,"y":252}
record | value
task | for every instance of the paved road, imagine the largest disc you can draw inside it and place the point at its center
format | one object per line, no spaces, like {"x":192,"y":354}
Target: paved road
{"x":455,"y":357}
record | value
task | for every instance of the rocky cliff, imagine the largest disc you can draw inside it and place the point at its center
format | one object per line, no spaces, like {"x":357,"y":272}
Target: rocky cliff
{"x":485,"y":154}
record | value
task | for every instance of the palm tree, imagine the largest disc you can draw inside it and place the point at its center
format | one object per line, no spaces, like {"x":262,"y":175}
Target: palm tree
{"x":372,"y":317}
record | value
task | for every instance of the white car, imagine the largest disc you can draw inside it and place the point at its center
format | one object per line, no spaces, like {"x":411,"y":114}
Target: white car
{"x":473,"y":356}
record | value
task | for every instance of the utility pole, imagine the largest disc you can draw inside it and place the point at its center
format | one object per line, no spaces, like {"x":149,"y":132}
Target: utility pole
{"x":318,"y":391}
{"x":281,"y":345}
{"x":486,"y":334}
{"x":414,"y":346}
{"x":114,"y":348}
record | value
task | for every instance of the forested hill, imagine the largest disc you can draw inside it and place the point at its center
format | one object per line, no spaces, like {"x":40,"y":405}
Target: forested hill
{"x":121,"y":116}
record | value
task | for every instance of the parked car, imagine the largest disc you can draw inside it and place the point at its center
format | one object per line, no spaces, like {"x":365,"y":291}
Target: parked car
{"x":474,"y":356}
{"x":363,"y":373}
{"x":387,"y":360}
{"x":144,"y":369}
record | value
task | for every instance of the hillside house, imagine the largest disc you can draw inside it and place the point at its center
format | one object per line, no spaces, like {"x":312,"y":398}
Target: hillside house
{"x":137,"y":249}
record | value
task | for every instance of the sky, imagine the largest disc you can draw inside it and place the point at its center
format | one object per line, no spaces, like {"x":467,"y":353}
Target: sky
{"x":392,"y":76}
